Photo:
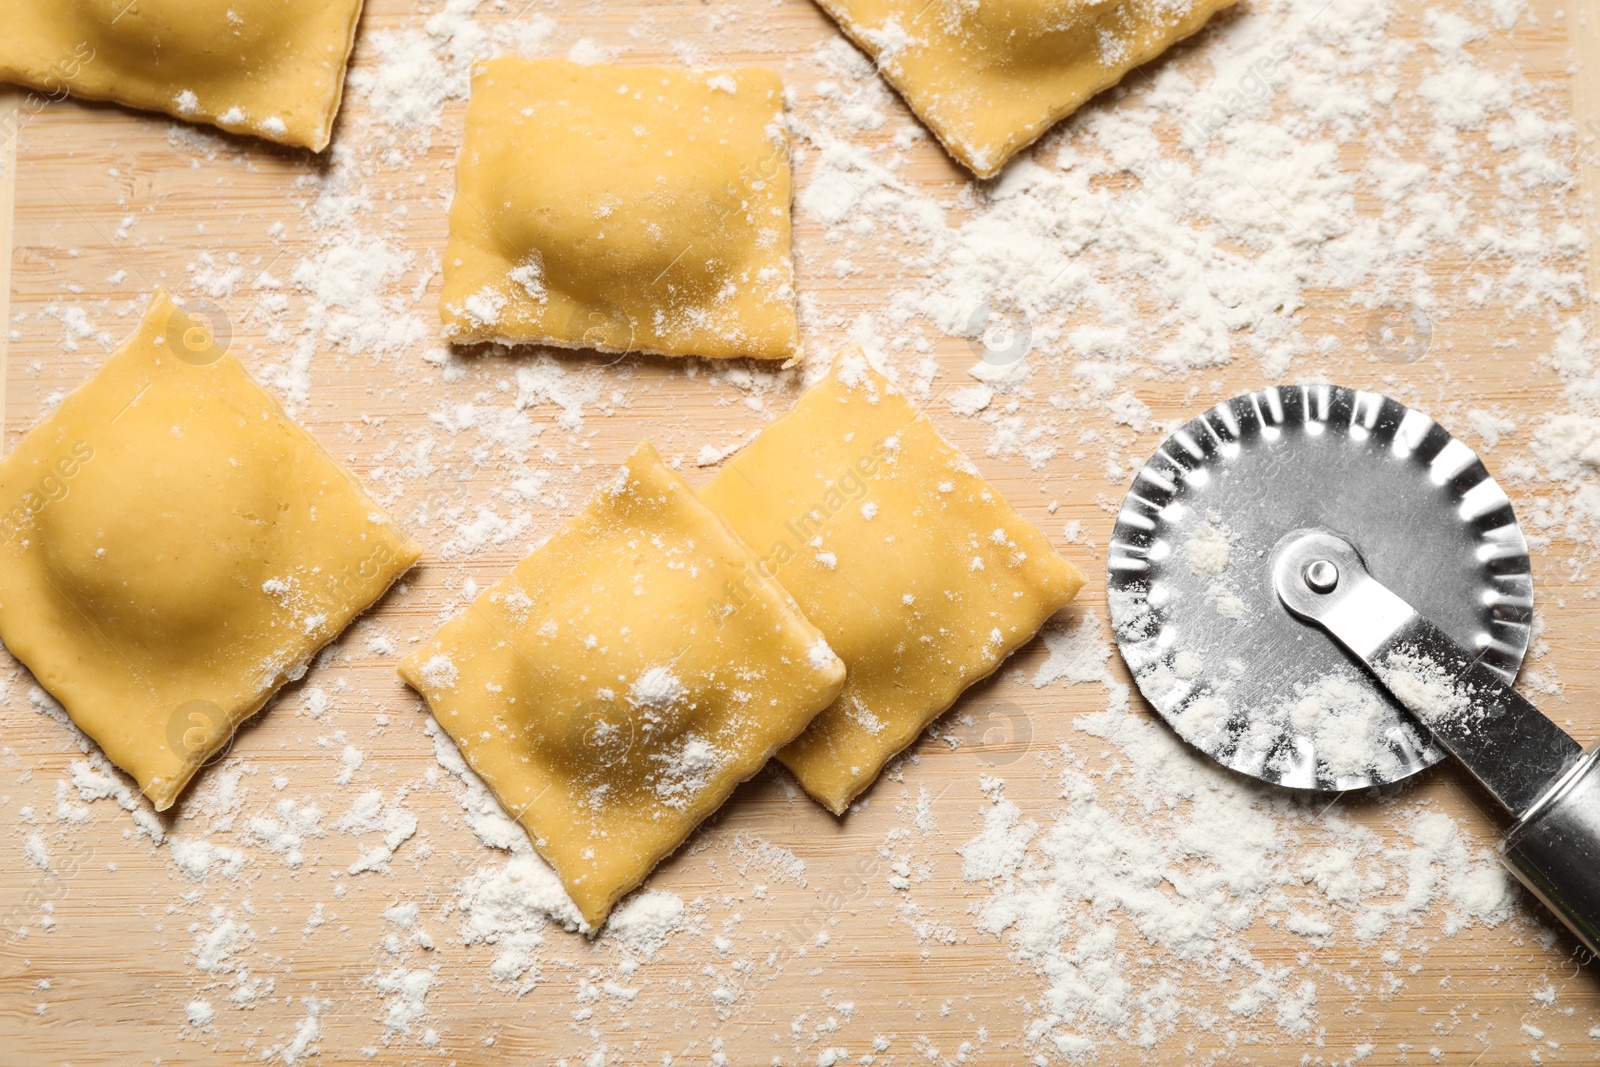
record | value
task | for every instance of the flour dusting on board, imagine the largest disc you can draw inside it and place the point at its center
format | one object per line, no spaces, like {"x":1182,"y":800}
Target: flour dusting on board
{"x":1343,"y":191}
{"x":1084,"y":899}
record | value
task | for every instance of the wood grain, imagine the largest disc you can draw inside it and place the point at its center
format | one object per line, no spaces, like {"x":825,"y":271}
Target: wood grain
{"x":102,"y":193}
{"x":1584,"y":27}
{"x":10,"y":109}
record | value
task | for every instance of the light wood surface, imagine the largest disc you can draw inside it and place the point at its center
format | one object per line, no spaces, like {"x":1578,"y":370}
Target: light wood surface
{"x":10,"y":105}
{"x":99,"y":190}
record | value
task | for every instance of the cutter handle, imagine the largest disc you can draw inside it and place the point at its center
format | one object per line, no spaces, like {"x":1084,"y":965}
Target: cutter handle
{"x":1554,"y":850}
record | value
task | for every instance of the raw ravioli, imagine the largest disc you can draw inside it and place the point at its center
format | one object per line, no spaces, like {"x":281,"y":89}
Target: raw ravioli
{"x":173,"y":549}
{"x":919,"y":574}
{"x":989,"y":77}
{"x":604,"y":694}
{"x":272,"y":68}
{"x":623,"y":209}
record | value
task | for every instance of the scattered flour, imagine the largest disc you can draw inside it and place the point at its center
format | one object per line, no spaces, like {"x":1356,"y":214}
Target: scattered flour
{"x":1133,"y":267}
{"x":1208,"y":548}
{"x":405,"y":996}
{"x":687,"y":771}
{"x":509,"y":907}
{"x":643,"y":923}
{"x":657,"y":688}
{"x":371,"y":814}
{"x":1426,"y":688}
{"x":199,"y":1012}
{"x":1347,"y":723}
{"x":1087,"y":898}
{"x":440,"y":672}
{"x":820,"y":656}
{"x":288,"y":829}
{"x":197,"y":857}
{"x":1078,"y":651}
{"x":419,"y":71}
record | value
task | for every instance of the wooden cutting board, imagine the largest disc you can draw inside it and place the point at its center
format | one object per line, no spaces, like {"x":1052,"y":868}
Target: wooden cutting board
{"x":94,"y":193}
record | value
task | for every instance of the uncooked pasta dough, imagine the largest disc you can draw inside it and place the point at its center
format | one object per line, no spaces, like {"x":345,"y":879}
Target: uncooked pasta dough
{"x":610,"y":693}
{"x":917,"y":571}
{"x":990,"y":76}
{"x":173,"y":549}
{"x":623,"y":209}
{"x":272,"y":68}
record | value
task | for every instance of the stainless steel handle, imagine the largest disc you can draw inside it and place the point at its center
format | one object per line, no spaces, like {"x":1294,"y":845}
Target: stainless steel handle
{"x":1554,"y":850}
{"x":1528,"y":763}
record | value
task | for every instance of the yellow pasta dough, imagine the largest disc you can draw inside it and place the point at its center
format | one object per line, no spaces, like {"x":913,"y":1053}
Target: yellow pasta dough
{"x":917,"y":572}
{"x":606,"y":696}
{"x":623,"y":209}
{"x":173,"y":549}
{"x":272,"y":68}
{"x":989,"y":77}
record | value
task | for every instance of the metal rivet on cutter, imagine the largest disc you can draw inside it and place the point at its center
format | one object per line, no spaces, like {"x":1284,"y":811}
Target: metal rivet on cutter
{"x":1322,"y":576}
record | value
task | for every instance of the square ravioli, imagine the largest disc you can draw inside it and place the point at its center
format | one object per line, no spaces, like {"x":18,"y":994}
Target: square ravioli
{"x":606,"y":695}
{"x":921,"y":577}
{"x":623,"y":209}
{"x":173,"y":549}
{"x":989,"y":77}
{"x":272,"y":68}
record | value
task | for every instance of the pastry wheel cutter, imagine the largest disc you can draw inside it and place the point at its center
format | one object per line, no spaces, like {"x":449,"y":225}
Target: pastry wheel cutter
{"x":1323,"y":589}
